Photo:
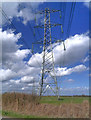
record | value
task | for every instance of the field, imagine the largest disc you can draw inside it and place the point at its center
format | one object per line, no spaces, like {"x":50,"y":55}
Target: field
{"x":22,"y":105}
{"x":53,"y":100}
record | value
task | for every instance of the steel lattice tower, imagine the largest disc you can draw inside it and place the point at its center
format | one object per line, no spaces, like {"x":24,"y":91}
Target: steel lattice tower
{"x":48,"y":58}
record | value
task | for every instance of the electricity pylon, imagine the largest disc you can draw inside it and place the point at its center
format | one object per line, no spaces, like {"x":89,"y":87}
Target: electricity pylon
{"x":48,"y":57}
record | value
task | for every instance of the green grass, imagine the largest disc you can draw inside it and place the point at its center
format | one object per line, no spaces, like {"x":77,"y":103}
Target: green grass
{"x":53,"y":100}
{"x":17,"y":115}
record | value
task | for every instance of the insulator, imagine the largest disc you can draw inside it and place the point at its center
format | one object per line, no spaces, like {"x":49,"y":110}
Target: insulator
{"x":34,"y":32}
{"x":64,"y":46}
{"x":35,"y":19}
{"x":60,"y":14}
{"x":32,"y":48}
{"x":62,"y":28}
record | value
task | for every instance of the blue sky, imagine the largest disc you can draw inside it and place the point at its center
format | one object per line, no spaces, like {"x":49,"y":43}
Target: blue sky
{"x":75,"y":78}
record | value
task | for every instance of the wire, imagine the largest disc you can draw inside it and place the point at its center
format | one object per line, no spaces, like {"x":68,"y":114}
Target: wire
{"x":37,"y":29}
{"x":29,"y":25}
{"x":71,"y":18}
{"x":64,"y":10}
{"x":6,"y":17}
{"x":33,"y":36}
{"x":4,"y":14}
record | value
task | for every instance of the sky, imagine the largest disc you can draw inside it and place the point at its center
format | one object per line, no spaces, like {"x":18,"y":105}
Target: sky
{"x":20,"y":70}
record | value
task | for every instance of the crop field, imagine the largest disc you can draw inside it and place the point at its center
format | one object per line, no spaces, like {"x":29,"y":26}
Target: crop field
{"x":22,"y":105}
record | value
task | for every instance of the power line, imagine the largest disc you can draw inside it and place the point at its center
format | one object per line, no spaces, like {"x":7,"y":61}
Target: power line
{"x":6,"y":17}
{"x":4,"y":14}
{"x":64,"y":11}
{"x":29,"y":25}
{"x":34,"y":38}
{"x":71,"y":18}
{"x":35,"y":21}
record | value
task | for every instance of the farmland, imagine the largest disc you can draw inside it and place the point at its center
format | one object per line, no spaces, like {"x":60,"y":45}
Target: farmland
{"x":63,"y":99}
{"x":31,"y":106}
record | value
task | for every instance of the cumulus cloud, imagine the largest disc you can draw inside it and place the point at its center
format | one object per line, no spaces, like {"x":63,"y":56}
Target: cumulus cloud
{"x":28,"y":79}
{"x":32,"y":61}
{"x":15,"y":81}
{"x":79,"y":90}
{"x":85,"y":59}
{"x":27,"y":14}
{"x":74,"y":45}
{"x":18,"y":74}
{"x":20,"y":10}
{"x":21,"y":54}
{"x":23,"y":88}
{"x":10,"y":10}
{"x":75,"y":91}
{"x":15,"y":73}
{"x":13,"y":58}
{"x":65,"y":71}
{"x":70,"y":80}
{"x":6,"y":74}
{"x":10,"y":49}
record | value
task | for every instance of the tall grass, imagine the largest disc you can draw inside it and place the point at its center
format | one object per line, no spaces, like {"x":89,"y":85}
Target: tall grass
{"x":18,"y":101}
{"x":27,"y":104}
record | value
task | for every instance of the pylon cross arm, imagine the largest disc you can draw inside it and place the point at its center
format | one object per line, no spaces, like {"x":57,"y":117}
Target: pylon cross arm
{"x":47,"y":10}
{"x":51,"y":25}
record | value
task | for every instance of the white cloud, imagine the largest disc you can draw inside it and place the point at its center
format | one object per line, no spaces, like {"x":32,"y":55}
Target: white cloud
{"x":28,"y":15}
{"x":21,"y":54}
{"x":35,"y":60}
{"x":10,"y":50}
{"x":25,"y":12}
{"x":27,"y":79}
{"x":13,"y":64}
{"x":23,"y":88}
{"x":10,"y":10}
{"x":86,"y":59}
{"x":70,"y":80}
{"x":6,"y":74}
{"x":14,"y":67}
{"x":65,"y":71}
{"x":15,"y":81}
{"x":79,"y":90}
{"x":74,"y":45}
{"x":75,"y":91}
{"x":15,"y":70}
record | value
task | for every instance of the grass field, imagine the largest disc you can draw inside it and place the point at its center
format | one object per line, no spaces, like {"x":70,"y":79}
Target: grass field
{"x":53,"y":100}
{"x":22,"y":105}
